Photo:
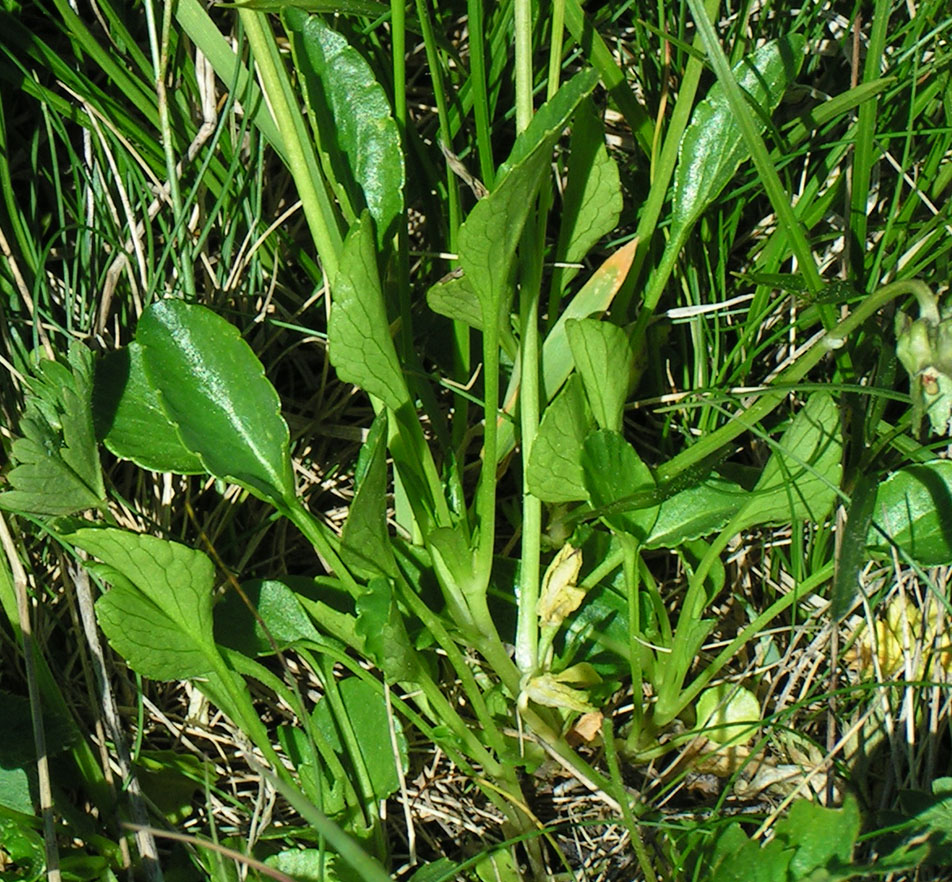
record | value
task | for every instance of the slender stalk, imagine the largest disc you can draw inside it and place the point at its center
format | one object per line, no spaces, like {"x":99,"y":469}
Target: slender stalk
{"x":522,"y":21}
{"x":159,"y":45}
{"x":477,"y":79}
{"x":556,"y":40}
{"x":318,"y":210}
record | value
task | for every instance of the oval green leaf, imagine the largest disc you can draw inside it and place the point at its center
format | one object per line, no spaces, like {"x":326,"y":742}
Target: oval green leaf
{"x":212,"y":386}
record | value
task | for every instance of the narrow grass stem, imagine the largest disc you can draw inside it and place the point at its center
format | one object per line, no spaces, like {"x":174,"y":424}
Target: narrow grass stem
{"x":319,"y":212}
{"x":822,"y":345}
{"x":159,"y":44}
{"x":477,"y":80}
{"x":779,"y":198}
{"x":316,"y":533}
{"x":556,"y":41}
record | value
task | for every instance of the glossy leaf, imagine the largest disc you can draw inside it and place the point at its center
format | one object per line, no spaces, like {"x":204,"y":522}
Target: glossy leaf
{"x":613,"y":472}
{"x":279,"y":610}
{"x":712,"y":147}
{"x":212,"y":386}
{"x":555,"y":464}
{"x":603,"y":359}
{"x":130,"y":418}
{"x":360,"y":346}
{"x":352,"y":115}
{"x":912,"y":510}
{"x":57,"y":469}
{"x":801,"y":477}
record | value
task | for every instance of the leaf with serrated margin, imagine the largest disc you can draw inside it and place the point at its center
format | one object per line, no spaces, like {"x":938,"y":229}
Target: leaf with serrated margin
{"x":212,"y":386}
{"x":158,"y":613}
{"x":57,"y":469}
{"x":359,"y":342}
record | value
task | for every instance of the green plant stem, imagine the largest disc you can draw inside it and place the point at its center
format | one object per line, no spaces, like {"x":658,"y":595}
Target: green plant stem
{"x":477,"y":79}
{"x":780,"y":388}
{"x":557,"y":24}
{"x":527,"y":624}
{"x":318,"y":210}
{"x":522,"y":23}
{"x":316,"y":533}
{"x":621,"y":797}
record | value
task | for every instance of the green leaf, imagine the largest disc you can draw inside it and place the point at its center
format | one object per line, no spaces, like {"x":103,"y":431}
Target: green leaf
{"x":489,"y":236}
{"x":381,"y":623}
{"x":821,"y":837}
{"x":212,"y":386}
{"x":455,"y":298}
{"x":712,"y":147}
{"x":158,"y":613}
{"x":851,"y":552}
{"x":371,"y":722}
{"x":592,"y":201}
{"x":801,"y":477}
{"x":359,"y":341}
{"x":555,"y":464}
{"x":365,"y":543}
{"x":352,"y":116}
{"x":15,"y":790}
{"x":912,"y":511}
{"x":279,"y":609}
{"x":612,"y":472}
{"x":130,"y":419}
{"x":25,"y":856}
{"x":695,"y":512}
{"x":604,"y":359}
{"x":57,"y":469}
{"x":728,"y":713}
{"x":307,"y":865}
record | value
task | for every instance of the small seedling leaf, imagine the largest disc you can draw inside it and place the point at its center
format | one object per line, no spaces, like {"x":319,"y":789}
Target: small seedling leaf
{"x":212,"y":386}
{"x":712,"y":147}
{"x":604,"y":360}
{"x":555,"y":466}
{"x":130,"y":418}
{"x":359,"y":341}
{"x":912,"y":511}
{"x":353,"y":119}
